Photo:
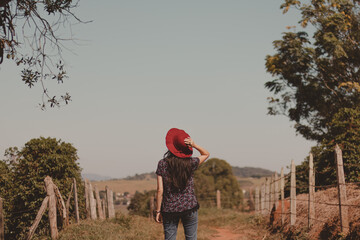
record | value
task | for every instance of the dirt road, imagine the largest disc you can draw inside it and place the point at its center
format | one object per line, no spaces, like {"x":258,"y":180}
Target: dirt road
{"x":240,"y":234}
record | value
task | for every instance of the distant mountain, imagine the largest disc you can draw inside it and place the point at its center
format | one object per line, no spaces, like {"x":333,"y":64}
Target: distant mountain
{"x":243,"y":172}
{"x":142,"y":176}
{"x":251,"y":172}
{"x":95,"y":177}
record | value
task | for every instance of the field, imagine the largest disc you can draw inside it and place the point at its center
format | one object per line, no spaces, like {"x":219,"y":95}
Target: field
{"x":130,"y":186}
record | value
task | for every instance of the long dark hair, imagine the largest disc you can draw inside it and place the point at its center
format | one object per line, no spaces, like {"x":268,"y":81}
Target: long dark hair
{"x":179,"y":171}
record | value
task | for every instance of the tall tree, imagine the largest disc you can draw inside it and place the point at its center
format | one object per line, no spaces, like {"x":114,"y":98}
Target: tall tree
{"x":318,"y":76}
{"x":216,"y":174}
{"x":29,"y":35}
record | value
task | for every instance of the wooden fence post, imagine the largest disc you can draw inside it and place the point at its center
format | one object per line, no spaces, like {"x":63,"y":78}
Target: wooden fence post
{"x":282,"y":196}
{"x":293,"y":195}
{"x":92,"y":202}
{"x":251,"y":200}
{"x":311,"y":214}
{"x":2,"y":220}
{"x":271,"y":196}
{"x":103,"y":202}
{"x":263,"y":212}
{"x":68,"y":203}
{"x":267,"y":195}
{"x":218,"y":199}
{"x":61,"y":206}
{"x":37,"y":218}
{"x":257,"y":202}
{"x":52,"y":207}
{"x":110,"y":204}
{"x":344,"y":220}
{"x":77,"y":217}
{"x":87,"y":202}
{"x":98,"y":203}
{"x":276,"y":190}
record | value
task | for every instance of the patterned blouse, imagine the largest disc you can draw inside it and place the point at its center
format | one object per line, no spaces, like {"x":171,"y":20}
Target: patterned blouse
{"x":180,"y":201}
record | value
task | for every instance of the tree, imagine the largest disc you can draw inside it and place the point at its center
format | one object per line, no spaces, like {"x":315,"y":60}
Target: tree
{"x":140,"y":203}
{"x":26,"y":170}
{"x":35,"y":26}
{"x":216,"y":174}
{"x":316,"y":78}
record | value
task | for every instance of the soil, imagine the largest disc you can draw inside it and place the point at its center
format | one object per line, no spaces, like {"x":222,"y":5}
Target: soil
{"x":227,"y":234}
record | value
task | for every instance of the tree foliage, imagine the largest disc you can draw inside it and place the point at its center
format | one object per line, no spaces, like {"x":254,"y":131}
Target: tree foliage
{"x":316,"y":77}
{"x":216,"y":174}
{"x":25,"y":171}
{"x":140,"y":203}
{"x":29,"y":35}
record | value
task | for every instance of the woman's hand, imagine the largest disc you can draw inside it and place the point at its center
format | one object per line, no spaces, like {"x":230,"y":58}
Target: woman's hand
{"x":158,"y":217}
{"x":188,"y":141}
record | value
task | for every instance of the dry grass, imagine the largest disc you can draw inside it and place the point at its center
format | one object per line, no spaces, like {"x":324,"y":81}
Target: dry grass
{"x":135,"y":227}
{"x":327,"y":223}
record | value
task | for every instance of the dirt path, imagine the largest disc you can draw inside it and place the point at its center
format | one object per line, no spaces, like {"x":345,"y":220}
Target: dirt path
{"x":227,"y":234}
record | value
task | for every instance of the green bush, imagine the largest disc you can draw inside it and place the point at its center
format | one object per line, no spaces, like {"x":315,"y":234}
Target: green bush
{"x":25,"y":171}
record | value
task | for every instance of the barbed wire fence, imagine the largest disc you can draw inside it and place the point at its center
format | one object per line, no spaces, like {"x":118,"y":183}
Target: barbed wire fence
{"x":96,"y":208}
{"x":268,"y":203}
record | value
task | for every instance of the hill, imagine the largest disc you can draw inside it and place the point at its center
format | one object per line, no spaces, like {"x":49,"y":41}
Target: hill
{"x":246,"y":172}
{"x":240,"y":172}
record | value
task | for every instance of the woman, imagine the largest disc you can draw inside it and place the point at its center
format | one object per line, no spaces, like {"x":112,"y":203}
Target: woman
{"x":175,"y":185}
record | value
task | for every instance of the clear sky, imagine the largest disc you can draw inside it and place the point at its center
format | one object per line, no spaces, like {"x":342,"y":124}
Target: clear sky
{"x":142,"y":67}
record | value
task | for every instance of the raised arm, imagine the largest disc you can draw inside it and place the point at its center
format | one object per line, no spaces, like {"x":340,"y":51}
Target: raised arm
{"x":204,"y":154}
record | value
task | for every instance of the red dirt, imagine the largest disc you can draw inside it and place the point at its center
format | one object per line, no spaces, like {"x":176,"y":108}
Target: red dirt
{"x":241,"y":234}
{"x":225,"y":234}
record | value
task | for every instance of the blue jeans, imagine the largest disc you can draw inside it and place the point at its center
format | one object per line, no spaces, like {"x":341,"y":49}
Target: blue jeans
{"x":189,"y":221}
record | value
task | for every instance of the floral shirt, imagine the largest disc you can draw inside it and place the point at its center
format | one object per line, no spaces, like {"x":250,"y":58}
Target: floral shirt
{"x":178,"y":201}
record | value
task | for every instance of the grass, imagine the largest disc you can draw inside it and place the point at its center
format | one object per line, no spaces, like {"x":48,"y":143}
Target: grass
{"x":136,"y":227}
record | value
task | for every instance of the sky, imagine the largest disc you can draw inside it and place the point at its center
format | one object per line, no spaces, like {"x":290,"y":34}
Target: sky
{"x":143,"y":67}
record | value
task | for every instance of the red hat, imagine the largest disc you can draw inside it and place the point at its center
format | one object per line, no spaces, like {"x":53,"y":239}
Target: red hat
{"x":176,"y":145}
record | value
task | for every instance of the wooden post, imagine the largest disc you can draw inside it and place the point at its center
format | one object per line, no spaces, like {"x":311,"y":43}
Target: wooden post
{"x":151,"y":207}
{"x":282,"y":196}
{"x":110,"y":204}
{"x":218,"y":199}
{"x":37,"y":219}
{"x":77,"y":217}
{"x":257,"y":202}
{"x":267,"y":195}
{"x":262,"y":207}
{"x":271,"y":196}
{"x":276,"y":190}
{"x":2,"y":221}
{"x":293,"y":195}
{"x":92,"y":202}
{"x":98,"y":203}
{"x":87,"y":202}
{"x":68,"y":203}
{"x":103,"y":207}
{"x":52,"y":207}
{"x":251,"y":199}
{"x":344,"y":220}
{"x":61,"y":206}
{"x":311,"y":215}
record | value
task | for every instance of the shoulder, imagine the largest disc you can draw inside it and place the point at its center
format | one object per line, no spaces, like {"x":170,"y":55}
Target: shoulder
{"x":194,"y":163}
{"x":161,"y":167}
